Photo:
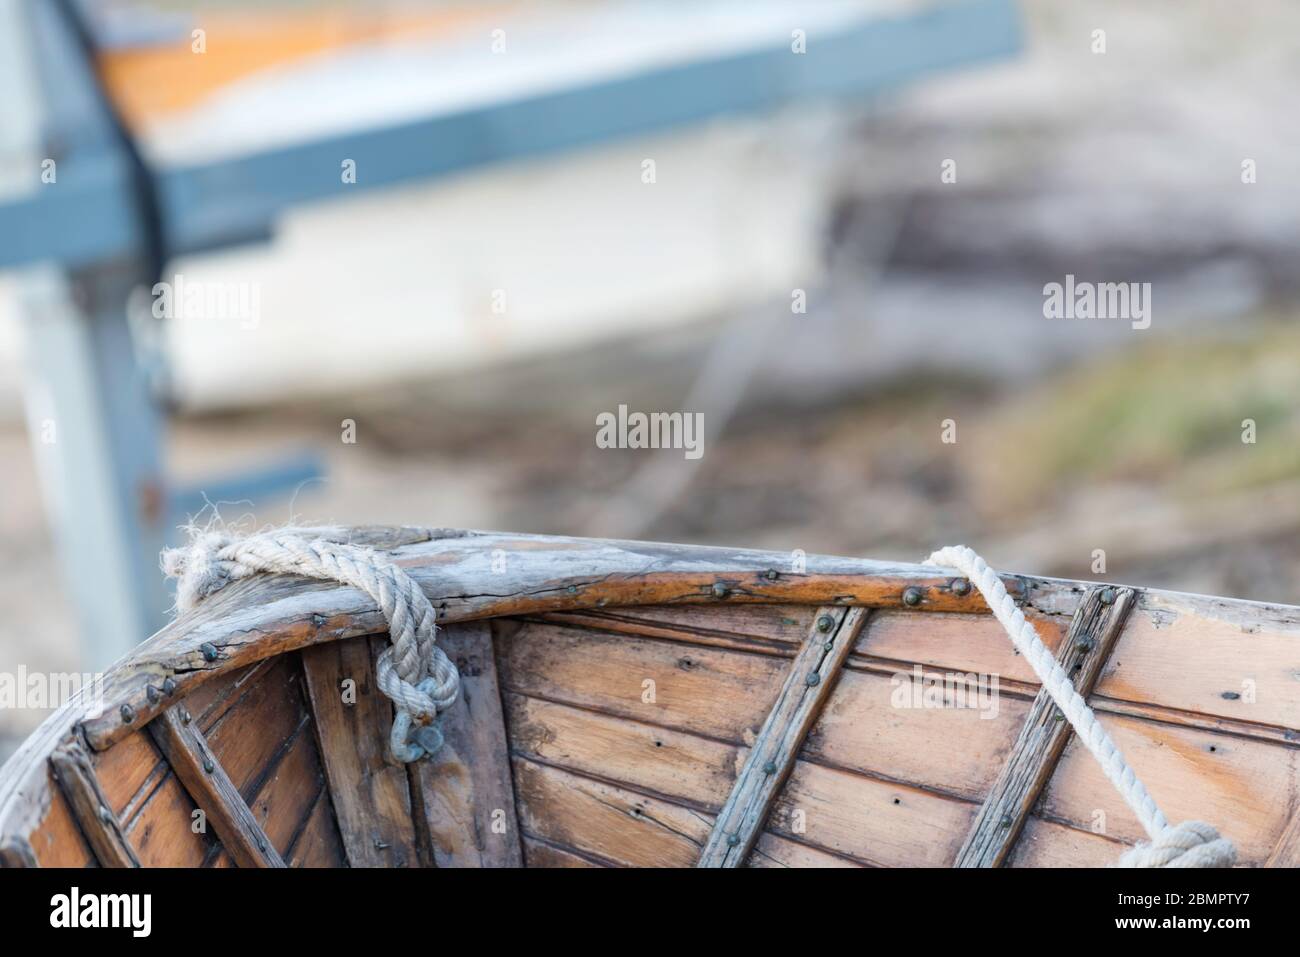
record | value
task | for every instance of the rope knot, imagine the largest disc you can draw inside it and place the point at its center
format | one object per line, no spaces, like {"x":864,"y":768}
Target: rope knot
{"x":414,"y":672}
{"x":1190,"y":844}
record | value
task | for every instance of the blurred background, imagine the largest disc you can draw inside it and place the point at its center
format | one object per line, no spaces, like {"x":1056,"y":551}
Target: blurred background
{"x":564,"y":207}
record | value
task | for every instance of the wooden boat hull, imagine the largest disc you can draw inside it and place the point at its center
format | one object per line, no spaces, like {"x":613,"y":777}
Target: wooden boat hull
{"x":633,"y":704}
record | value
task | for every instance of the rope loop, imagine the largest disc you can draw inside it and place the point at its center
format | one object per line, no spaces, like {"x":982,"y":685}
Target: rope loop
{"x":414,"y":672}
{"x":1190,"y":844}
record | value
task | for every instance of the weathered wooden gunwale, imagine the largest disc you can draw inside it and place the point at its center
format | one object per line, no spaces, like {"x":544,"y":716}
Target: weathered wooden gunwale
{"x":567,"y":615}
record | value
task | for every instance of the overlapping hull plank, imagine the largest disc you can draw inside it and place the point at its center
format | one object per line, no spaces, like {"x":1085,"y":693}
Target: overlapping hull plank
{"x":622,"y":698}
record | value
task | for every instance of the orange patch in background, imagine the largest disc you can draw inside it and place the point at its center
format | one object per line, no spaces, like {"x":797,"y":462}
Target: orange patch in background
{"x":148,"y":83}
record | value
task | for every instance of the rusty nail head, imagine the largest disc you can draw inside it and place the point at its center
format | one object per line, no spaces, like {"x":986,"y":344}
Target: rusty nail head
{"x":912,"y":596}
{"x":152,"y":693}
{"x":960,"y":586}
{"x":208,"y":650}
{"x":1108,"y":596}
{"x":1083,"y":644}
{"x":127,"y":713}
{"x":169,"y":686}
{"x":825,"y":623}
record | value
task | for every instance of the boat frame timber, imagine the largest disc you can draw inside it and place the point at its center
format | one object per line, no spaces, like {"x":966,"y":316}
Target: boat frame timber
{"x":472,"y":576}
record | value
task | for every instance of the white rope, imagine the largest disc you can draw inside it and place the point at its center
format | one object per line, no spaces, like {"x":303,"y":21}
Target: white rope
{"x":1190,"y":844}
{"x":414,"y":672}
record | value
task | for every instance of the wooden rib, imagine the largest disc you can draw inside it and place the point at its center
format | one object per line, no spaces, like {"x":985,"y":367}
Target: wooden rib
{"x":463,"y":797}
{"x":371,"y":795}
{"x":1286,"y":853}
{"x":807,"y":685}
{"x":199,"y":772}
{"x":17,"y":852}
{"x":1043,"y":737}
{"x":90,"y":808}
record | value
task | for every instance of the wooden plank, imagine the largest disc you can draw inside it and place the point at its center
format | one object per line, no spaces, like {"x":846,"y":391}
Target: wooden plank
{"x":90,"y":808}
{"x":371,"y":796}
{"x":1051,"y":844}
{"x":319,"y":843}
{"x":808,"y":684}
{"x":772,"y":850}
{"x":541,"y":854}
{"x":17,"y":853}
{"x":1043,"y":737}
{"x":543,"y":574}
{"x":957,"y":750}
{"x":764,"y":629}
{"x":1244,"y":787}
{"x":58,"y":841}
{"x":681,"y":767}
{"x":874,"y":822}
{"x":464,"y":798}
{"x":199,"y":772}
{"x":1286,"y":852}
{"x":610,"y":823}
{"x":705,"y":691}
{"x":1212,"y":656}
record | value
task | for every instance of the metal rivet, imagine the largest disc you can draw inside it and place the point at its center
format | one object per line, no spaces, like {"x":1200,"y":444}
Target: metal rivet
{"x":960,"y":586}
{"x":1108,"y":596}
{"x":772,"y":574}
{"x":152,"y":693}
{"x":127,"y":713}
{"x":911,"y":596}
{"x":208,"y":765}
{"x":1231,"y":695}
{"x":814,"y":678}
{"x":572,"y":589}
{"x":208,"y":650}
{"x":769,"y":768}
{"x":1006,"y":820}
{"x":825,"y":623}
{"x":261,"y":844}
{"x":1083,"y":644}
{"x":169,"y":686}
{"x":720,"y":590}
{"x":829,"y":645}
{"x":186,"y":717}
{"x":318,"y":621}
{"x":732,"y":840}
{"x":380,"y":845}
{"x":105,"y":815}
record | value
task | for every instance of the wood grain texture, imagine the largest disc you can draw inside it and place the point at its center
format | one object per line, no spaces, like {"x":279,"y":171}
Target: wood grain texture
{"x":1051,"y":844}
{"x":319,"y":844}
{"x":873,"y":822}
{"x":264,"y":616}
{"x":706,"y":691}
{"x":1286,"y":852}
{"x":1245,"y":788}
{"x":90,"y":808}
{"x":464,"y":798}
{"x":370,"y":795}
{"x":200,"y":773}
{"x":808,"y":684}
{"x":1044,"y":734}
{"x":680,"y":767}
{"x":605,"y":822}
{"x":871,"y":725}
